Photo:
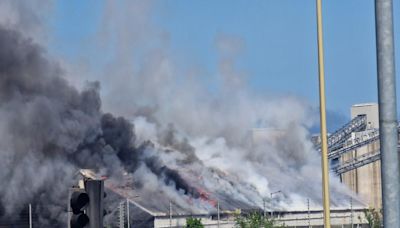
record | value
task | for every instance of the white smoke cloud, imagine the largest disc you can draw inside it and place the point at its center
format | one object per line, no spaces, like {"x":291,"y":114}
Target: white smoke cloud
{"x":182,"y":132}
{"x":144,"y":82}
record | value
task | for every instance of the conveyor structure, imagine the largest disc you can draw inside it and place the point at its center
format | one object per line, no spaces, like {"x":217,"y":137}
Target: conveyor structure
{"x":339,"y":143}
{"x":337,"y":139}
{"x":359,"y":142}
{"x":357,"y":162}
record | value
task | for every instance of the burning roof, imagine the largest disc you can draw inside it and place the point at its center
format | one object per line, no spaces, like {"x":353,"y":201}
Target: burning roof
{"x":177,"y":144}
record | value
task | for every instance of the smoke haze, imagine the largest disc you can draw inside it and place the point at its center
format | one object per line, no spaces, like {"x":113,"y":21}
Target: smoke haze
{"x":168,"y":130}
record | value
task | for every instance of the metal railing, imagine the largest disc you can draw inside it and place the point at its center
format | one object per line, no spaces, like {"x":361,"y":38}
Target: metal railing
{"x":336,"y":140}
{"x":359,"y":142}
{"x":357,"y":162}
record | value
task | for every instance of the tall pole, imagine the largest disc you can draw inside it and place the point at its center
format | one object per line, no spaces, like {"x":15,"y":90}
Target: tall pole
{"x":324,"y":143}
{"x":30,"y":215}
{"x":218,"y":213}
{"x":121,"y":221}
{"x":69,"y":208}
{"x":127,"y":213}
{"x":265,"y":213}
{"x":387,"y":112}
{"x":95,"y":210}
{"x":170,"y":214}
{"x":308,"y":209}
{"x":272,"y":208}
{"x":351,"y":211}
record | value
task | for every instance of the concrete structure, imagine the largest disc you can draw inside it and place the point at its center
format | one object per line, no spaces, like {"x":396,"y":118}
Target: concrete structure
{"x":365,"y":180}
{"x":369,"y":109}
{"x":357,"y":159}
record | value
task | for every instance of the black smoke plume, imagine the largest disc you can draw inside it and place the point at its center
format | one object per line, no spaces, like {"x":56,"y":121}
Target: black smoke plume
{"x":49,"y":130}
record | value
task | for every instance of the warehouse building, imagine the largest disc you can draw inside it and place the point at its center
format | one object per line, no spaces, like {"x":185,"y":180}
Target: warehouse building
{"x":143,"y":212}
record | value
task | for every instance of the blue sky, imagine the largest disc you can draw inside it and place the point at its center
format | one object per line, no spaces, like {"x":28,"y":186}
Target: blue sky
{"x":280,"y":54}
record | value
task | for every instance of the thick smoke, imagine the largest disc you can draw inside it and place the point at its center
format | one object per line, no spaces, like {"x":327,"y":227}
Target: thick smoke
{"x":43,"y":121}
{"x":26,"y":16}
{"x":177,"y":138}
{"x":50,"y":130}
{"x":205,"y":127}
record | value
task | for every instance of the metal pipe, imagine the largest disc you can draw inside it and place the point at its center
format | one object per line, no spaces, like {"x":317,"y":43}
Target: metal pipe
{"x":387,"y":112}
{"x":272,"y":208}
{"x":265,"y":213}
{"x":95,"y":210}
{"x":121,"y":220}
{"x":308,"y":210}
{"x":218,"y":213}
{"x":324,"y":143}
{"x":127,"y":213}
{"x":30,"y":215}
{"x":170,"y":214}
{"x":351,"y":211}
{"x":70,"y":190}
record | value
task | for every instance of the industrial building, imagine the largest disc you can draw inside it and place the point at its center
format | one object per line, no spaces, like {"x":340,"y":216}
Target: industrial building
{"x":355,"y":156}
{"x":143,"y":212}
{"x":138,"y":214}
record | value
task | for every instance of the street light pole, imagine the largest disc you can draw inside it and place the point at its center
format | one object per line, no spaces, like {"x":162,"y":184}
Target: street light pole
{"x":264,"y":209}
{"x":351,"y":211}
{"x":127,"y":214}
{"x":272,"y":208}
{"x":170,"y":214}
{"x":387,"y":112}
{"x":308,"y":210}
{"x":218,"y":213}
{"x":30,"y":215}
{"x":324,"y":139}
